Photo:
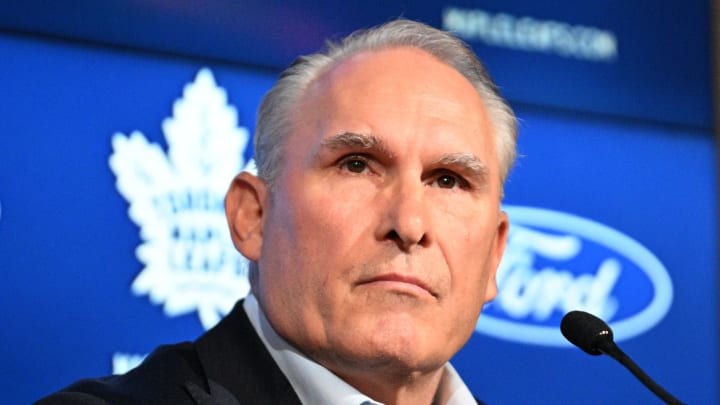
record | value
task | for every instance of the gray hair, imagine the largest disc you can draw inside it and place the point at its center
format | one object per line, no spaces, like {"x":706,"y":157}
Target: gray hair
{"x":275,"y":109}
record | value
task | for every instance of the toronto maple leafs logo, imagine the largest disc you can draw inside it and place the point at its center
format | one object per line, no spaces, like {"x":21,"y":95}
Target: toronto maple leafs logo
{"x":177,"y":201}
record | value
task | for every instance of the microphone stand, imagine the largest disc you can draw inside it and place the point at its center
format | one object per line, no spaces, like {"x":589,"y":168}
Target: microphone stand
{"x":612,"y":350}
{"x":594,"y":336}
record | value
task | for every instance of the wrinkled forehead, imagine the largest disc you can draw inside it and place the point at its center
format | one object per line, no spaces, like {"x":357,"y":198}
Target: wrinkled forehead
{"x":398,"y":96}
{"x":400,"y":77}
{"x":384,"y":66}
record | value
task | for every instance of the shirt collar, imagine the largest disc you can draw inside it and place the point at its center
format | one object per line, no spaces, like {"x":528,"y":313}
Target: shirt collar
{"x":314,"y":384}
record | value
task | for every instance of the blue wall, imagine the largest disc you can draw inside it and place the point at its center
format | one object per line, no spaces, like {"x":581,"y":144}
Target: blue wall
{"x":624,"y":143}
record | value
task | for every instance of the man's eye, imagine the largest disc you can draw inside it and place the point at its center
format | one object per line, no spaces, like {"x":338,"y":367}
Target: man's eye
{"x":448,"y":181}
{"x":355,"y":165}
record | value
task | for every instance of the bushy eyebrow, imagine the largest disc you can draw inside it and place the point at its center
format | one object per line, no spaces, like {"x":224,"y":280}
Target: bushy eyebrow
{"x":466,"y":163}
{"x":353,"y":140}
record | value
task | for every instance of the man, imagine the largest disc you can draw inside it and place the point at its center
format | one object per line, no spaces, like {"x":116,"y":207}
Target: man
{"x":373,"y":228}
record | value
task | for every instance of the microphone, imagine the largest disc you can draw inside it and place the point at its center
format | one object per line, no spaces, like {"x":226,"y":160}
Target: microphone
{"x":594,"y":336}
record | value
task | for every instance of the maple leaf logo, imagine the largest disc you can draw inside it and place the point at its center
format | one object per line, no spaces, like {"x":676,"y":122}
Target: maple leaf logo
{"x":177,"y":200}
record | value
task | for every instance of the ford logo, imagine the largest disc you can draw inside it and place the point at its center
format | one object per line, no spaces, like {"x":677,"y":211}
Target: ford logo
{"x":557,"y":262}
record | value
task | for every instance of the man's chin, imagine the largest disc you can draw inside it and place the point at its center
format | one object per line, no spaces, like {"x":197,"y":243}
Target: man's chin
{"x":392,"y":350}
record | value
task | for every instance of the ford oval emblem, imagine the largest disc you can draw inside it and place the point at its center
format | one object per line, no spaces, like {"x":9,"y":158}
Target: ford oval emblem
{"x":557,"y":262}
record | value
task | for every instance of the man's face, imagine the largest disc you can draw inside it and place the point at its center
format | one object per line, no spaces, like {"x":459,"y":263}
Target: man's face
{"x":382,"y":234}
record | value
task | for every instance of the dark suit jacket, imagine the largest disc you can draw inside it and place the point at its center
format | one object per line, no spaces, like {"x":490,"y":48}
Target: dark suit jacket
{"x":227,"y":365}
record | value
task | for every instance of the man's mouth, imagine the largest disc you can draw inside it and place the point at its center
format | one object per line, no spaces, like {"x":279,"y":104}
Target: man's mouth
{"x":403,"y":283}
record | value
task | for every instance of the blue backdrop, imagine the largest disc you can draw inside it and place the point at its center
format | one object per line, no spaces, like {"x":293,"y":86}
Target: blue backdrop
{"x":623,"y":143}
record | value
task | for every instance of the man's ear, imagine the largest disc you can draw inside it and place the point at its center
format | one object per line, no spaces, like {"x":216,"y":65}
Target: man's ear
{"x":501,"y":237}
{"x":244,"y":209}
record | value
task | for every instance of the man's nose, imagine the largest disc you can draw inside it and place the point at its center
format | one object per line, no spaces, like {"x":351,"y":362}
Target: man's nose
{"x":406,"y":216}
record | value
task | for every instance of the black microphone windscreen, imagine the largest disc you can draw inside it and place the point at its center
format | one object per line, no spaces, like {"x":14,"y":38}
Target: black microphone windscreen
{"x":586,"y":331}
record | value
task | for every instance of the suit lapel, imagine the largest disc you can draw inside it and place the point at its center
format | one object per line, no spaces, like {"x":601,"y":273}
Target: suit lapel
{"x":238,"y":365}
